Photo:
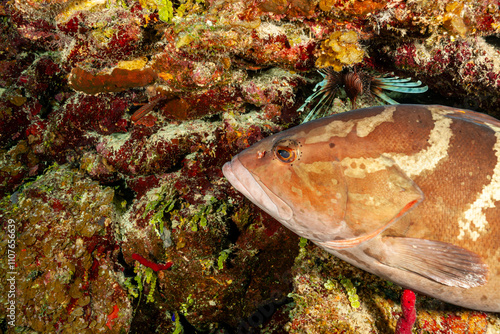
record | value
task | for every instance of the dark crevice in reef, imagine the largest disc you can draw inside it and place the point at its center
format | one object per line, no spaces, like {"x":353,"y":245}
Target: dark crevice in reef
{"x":122,"y":193}
{"x":3,"y":325}
{"x":128,"y":271}
{"x":493,"y":40}
{"x":233,"y":233}
{"x":213,"y":118}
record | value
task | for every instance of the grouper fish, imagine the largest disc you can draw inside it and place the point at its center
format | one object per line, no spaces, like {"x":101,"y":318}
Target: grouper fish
{"x":410,"y":193}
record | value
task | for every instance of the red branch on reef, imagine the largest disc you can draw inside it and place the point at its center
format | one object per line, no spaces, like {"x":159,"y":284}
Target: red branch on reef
{"x":152,"y":265}
{"x":405,"y":323}
{"x":145,"y":109}
{"x":112,"y":315}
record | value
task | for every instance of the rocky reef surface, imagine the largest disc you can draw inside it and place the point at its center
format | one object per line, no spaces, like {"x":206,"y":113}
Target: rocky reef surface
{"x":116,"y":117}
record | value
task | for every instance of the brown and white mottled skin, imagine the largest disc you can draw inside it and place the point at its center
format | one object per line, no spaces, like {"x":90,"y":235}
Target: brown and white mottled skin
{"x":410,"y":193}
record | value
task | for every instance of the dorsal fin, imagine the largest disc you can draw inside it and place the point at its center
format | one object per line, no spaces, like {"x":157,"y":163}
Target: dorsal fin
{"x":475,"y":117}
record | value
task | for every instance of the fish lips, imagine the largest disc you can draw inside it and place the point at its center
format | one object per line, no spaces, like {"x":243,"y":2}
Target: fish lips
{"x":246,"y":183}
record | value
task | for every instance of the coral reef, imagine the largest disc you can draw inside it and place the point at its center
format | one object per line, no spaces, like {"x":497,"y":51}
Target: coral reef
{"x":116,"y":117}
{"x":466,"y":69}
{"x":323,"y":301}
{"x":68,"y":276}
{"x":340,"y":49}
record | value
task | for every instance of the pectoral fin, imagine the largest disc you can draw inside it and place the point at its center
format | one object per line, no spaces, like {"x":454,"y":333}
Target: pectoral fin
{"x":439,"y":261}
{"x":378,"y":194}
{"x":379,"y":197}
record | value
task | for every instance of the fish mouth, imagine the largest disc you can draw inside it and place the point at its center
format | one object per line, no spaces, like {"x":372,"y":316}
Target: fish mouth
{"x":245,"y":182}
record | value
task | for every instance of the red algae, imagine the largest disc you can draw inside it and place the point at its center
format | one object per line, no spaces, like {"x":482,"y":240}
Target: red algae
{"x":407,"y":319}
{"x":111,"y":316}
{"x":152,"y":265}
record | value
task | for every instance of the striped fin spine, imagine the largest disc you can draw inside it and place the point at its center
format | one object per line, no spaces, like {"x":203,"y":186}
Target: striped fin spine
{"x":396,"y":84}
{"x":325,"y":90}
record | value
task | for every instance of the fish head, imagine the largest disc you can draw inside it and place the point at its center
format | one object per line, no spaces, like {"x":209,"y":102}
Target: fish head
{"x":325,"y":180}
{"x":298,"y":185}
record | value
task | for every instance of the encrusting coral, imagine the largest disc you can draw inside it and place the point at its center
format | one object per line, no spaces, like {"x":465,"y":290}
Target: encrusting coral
{"x":340,"y":49}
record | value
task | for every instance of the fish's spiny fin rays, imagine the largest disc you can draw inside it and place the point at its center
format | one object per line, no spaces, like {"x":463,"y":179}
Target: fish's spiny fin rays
{"x":404,"y":89}
{"x":393,"y":79}
{"x":325,"y":91}
{"x":384,"y":97}
{"x":395,"y":84}
{"x":355,"y":83}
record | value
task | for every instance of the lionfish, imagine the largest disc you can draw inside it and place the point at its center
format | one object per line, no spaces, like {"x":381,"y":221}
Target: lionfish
{"x":356,"y":83}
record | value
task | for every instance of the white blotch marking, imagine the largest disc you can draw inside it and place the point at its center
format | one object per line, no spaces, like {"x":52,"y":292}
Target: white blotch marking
{"x":371,"y":165}
{"x":296,"y":190}
{"x":439,"y":140}
{"x":332,"y":129}
{"x":474,"y":221}
{"x":308,"y":173}
{"x":367,"y":200}
{"x":366,"y":125}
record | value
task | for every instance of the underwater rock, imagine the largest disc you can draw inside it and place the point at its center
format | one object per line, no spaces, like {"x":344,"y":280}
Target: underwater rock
{"x":274,"y":86}
{"x":78,"y":123}
{"x":13,"y":122}
{"x":107,"y":32}
{"x":348,"y":299}
{"x":455,"y":17}
{"x":466,"y":69}
{"x":181,"y":73}
{"x":252,"y":47}
{"x":42,"y":80}
{"x":67,"y":269}
{"x":151,"y":150}
{"x":212,"y":246}
{"x":98,"y":168}
{"x":16,"y":164}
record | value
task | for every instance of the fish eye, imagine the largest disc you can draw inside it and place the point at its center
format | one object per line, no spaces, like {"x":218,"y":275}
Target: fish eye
{"x":286,"y":150}
{"x":285,"y":154}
